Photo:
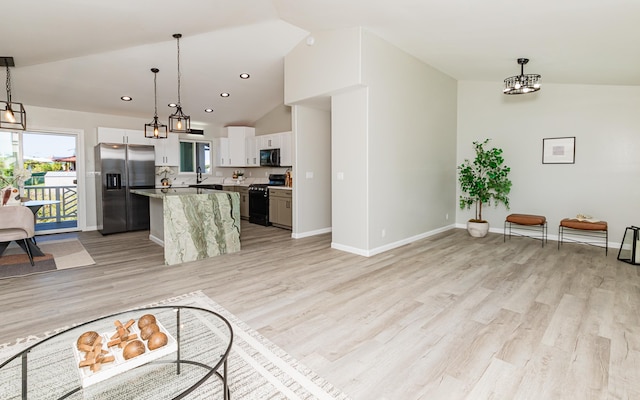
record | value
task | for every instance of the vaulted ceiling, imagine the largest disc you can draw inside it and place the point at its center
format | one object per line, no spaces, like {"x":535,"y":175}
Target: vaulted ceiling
{"x":85,"y":54}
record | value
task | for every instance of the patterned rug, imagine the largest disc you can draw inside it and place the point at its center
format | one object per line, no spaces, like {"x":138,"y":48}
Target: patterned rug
{"x":258,"y":369}
{"x":59,"y":254}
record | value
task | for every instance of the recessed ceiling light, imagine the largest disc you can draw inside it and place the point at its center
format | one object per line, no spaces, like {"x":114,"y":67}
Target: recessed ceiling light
{"x":208,"y":110}
{"x":224,"y":94}
{"x":126,"y":98}
{"x":172,"y":105}
{"x":244,"y":75}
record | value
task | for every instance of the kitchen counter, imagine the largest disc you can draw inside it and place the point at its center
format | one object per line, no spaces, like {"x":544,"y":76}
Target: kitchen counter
{"x":193,"y":223}
{"x":161,"y":193}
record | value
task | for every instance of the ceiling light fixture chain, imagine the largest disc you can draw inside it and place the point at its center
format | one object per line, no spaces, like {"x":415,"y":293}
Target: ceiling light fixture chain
{"x":177,"y":36}
{"x":178,"y":121}
{"x":8,"y":85}
{"x":523,"y":83}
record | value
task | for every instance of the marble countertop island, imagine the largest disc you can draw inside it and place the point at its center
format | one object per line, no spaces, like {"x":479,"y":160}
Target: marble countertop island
{"x":193,"y":223}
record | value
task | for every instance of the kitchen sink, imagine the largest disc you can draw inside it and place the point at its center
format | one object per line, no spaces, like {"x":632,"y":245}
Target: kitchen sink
{"x":214,"y":186}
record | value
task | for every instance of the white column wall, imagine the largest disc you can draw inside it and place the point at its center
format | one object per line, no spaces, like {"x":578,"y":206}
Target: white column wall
{"x":411,"y":145}
{"x":350,"y":171}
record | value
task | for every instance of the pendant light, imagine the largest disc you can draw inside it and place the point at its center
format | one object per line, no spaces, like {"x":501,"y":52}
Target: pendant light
{"x":178,"y":121}
{"x":13,"y":116}
{"x":522,"y":84}
{"x":155,"y":130}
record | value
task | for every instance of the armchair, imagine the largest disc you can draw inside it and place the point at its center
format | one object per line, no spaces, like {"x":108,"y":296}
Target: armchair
{"x":17,"y":223}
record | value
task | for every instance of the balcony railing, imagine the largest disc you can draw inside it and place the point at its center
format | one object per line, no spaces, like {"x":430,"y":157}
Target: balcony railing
{"x":59,"y":215}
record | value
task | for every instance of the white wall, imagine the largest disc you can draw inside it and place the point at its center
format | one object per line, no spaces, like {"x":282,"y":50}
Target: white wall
{"x":411,"y":144}
{"x":276,"y":120}
{"x":312,"y":155}
{"x":329,"y":64}
{"x":393,"y":137}
{"x":603,"y":181}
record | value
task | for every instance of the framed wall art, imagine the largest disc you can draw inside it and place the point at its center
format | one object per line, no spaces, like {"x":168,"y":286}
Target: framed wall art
{"x":560,"y":150}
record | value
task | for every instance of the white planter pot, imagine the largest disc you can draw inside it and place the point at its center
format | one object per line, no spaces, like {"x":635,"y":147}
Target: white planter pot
{"x":478,"y":229}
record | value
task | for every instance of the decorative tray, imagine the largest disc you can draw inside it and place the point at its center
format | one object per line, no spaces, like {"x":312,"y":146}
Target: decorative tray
{"x":119,"y":363}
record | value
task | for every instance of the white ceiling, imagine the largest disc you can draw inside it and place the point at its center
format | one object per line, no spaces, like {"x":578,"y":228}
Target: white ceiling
{"x":84,"y":54}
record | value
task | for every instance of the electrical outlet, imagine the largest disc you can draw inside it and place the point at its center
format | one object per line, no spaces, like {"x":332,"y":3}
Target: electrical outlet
{"x":383,"y":233}
{"x":446,"y":217}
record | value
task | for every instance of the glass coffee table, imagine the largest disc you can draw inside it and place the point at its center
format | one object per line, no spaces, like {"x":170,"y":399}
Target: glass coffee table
{"x":198,"y":346}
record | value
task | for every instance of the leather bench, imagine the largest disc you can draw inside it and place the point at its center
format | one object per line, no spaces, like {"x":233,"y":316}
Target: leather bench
{"x":581,"y":228}
{"x":526,"y":222}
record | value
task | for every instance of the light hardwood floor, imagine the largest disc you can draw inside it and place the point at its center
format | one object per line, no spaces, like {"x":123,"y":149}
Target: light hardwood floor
{"x":448,"y":317}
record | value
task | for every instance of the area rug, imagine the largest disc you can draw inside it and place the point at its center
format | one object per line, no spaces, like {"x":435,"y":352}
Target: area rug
{"x":258,"y":369}
{"x":59,"y":254}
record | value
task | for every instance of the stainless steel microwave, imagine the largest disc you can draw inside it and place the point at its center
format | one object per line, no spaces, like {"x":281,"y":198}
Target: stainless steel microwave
{"x":270,"y":158}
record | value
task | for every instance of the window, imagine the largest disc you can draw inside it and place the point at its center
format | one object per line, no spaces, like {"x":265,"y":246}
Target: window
{"x":195,"y":154}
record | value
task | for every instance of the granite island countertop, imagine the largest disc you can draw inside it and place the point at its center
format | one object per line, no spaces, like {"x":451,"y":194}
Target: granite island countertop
{"x":193,"y":223}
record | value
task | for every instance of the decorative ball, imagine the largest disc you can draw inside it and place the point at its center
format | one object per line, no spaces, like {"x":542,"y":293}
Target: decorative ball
{"x":87,"y":338}
{"x":133,"y":349}
{"x":146,"y":320}
{"x":158,"y":339}
{"x":148,"y":330}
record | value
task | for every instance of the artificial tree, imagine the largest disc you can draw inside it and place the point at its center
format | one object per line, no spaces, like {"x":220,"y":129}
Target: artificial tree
{"x":485,"y":180}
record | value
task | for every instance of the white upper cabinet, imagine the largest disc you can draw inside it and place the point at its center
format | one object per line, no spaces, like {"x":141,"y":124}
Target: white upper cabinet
{"x":222,"y":152}
{"x":286,"y":149}
{"x":237,"y":136}
{"x":251,"y":149}
{"x":271,"y":141}
{"x":126,"y":136}
{"x":167,"y":150}
{"x":231,"y":151}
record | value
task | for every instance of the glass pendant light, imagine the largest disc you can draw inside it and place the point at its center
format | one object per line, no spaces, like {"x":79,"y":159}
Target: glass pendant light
{"x":154,"y":129}
{"x":12,"y":115}
{"x":178,"y":121}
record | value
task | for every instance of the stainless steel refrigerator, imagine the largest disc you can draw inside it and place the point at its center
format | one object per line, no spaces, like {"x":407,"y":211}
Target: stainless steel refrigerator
{"x":120,"y":168}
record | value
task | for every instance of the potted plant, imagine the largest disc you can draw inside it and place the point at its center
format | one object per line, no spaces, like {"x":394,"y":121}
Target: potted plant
{"x":484,"y":181}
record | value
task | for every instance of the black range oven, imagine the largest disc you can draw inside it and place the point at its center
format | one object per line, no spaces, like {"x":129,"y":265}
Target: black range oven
{"x":259,"y":199}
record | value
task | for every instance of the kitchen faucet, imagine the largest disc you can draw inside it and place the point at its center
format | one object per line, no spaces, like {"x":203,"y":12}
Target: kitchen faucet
{"x":199,"y":175}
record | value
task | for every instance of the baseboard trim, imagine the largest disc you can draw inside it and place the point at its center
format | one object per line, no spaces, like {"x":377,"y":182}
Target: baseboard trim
{"x":311,"y":233}
{"x":390,"y":246}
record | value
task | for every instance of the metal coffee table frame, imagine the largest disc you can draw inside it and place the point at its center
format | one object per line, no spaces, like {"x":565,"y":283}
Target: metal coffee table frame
{"x":213,"y":370}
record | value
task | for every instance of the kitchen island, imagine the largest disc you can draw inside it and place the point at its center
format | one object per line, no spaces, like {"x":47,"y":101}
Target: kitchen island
{"x":193,"y":223}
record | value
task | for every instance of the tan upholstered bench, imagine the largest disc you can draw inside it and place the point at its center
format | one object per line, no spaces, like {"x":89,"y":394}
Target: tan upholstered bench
{"x":584,"y":229}
{"x":526,"y":222}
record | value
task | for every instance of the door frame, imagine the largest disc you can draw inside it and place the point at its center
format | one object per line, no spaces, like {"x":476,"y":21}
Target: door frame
{"x":80,"y":169}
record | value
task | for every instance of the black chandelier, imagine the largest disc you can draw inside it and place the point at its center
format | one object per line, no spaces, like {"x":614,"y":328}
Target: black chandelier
{"x":13,"y":116}
{"x":154,"y":129}
{"x":178,"y":121}
{"x":523,"y":83}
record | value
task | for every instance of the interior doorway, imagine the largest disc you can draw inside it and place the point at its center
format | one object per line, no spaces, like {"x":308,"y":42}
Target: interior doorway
{"x":52,"y":190}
